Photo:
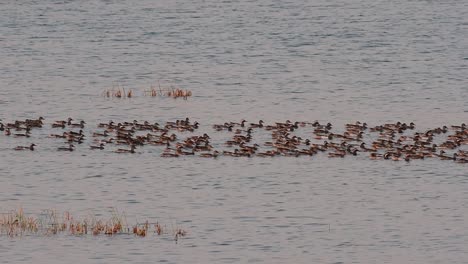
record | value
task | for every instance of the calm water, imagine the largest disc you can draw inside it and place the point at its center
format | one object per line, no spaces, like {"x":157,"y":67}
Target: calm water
{"x":336,"y":61}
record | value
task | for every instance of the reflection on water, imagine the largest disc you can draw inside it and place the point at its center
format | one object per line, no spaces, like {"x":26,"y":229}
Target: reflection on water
{"x":329,"y":61}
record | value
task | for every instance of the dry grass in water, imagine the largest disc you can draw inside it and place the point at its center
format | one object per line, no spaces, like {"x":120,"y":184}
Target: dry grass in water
{"x":49,"y":222}
{"x":118,"y":92}
{"x":168,"y":92}
{"x":176,"y":93}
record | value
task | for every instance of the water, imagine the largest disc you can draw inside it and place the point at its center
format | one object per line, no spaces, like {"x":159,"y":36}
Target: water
{"x":336,"y":61}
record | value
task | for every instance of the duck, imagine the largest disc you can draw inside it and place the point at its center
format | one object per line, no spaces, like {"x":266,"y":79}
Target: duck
{"x":259,"y":125}
{"x":101,"y":146}
{"x":57,"y":125}
{"x":181,"y":152}
{"x":108,"y":125}
{"x":69,"y":148}
{"x":366,"y":149}
{"x":27,"y":128}
{"x":31,"y":147}
{"x":81,"y":124}
{"x":336,"y":154}
{"x":64,"y":135}
{"x":206,"y":147}
{"x":234,"y":153}
{"x":26,"y":134}
{"x":269,"y":153}
{"x":241,"y":124}
{"x":60,"y":122}
{"x":105,"y":134}
{"x":131,"y":150}
{"x":34,"y":122}
{"x":462,"y":160}
{"x":329,"y":136}
{"x":358,"y":125}
{"x":375,"y":156}
{"x":224,"y":126}
{"x":444,"y":157}
{"x":353,"y":151}
{"x":169,"y":155}
{"x":317,"y":125}
{"x":461,"y":127}
{"x":210,"y":155}
{"x":73,"y":133}
{"x":71,"y":139}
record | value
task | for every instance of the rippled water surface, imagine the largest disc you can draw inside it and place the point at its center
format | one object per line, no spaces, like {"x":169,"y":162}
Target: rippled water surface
{"x":332,"y":61}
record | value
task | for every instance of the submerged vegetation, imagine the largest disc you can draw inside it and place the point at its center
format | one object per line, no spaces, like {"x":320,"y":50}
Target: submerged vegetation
{"x":17,"y":223}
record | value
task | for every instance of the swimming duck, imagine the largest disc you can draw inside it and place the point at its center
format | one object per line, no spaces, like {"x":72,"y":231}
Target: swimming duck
{"x":73,"y":133}
{"x":449,"y":145}
{"x":64,"y":135}
{"x":336,"y":154}
{"x":105,"y":134}
{"x":326,"y":136}
{"x":69,"y":148}
{"x":27,"y":134}
{"x":241,"y":124}
{"x":353,"y":151}
{"x":375,"y":155}
{"x":31,"y":147}
{"x":131,"y":150}
{"x":462,"y":127}
{"x":210,"y":155}
{"x":34,"y":122}
{"x":181,"y":152}
{"x":461,"y":160}
{"x":58,"y":125}
{"x":108,"y":125}
{"x":206,"y":147}
{"x":259,"y":125}
{"x":358,"y":126}
{"x":81,"y":124}
{"x":269,"y":153}
{"x":101,"y":146}
{"x":444,"y":157}
{"x":169,"y":155}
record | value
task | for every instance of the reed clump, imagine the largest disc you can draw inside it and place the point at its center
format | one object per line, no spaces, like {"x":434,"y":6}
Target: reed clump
{"x":118,"y":92}
{"x":16,"y":223}
{"x":176,"y":93}
{"x":168,"y":92}
{"x":121,"y":93}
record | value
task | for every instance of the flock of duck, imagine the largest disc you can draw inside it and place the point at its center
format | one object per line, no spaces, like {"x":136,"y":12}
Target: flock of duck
{"x":392,"y":141}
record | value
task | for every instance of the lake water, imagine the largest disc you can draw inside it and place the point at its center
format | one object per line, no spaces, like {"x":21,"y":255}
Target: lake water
{"x":332,"y":61}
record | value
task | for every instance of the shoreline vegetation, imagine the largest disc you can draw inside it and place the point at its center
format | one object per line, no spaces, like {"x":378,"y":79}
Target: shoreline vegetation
{"x":16,"y":223}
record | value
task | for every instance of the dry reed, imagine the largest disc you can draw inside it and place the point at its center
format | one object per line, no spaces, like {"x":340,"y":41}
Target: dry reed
{"x":49,"y":222}
{"x":118,"y":92}
{"x":168,"y":92}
